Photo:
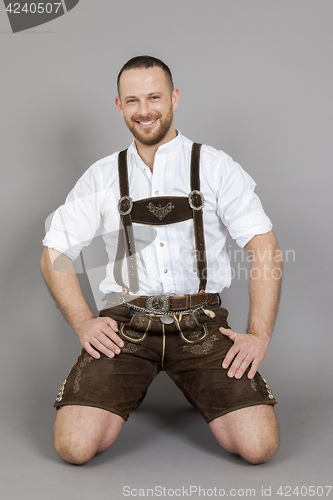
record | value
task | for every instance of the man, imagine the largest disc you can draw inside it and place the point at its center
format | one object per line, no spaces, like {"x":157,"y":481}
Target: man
{"x":175,"y":202}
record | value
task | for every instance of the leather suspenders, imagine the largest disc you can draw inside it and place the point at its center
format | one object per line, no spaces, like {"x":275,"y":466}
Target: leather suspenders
{"x":157,"y":211}
{"x":126,"y":241}
{"x":196,"y":201}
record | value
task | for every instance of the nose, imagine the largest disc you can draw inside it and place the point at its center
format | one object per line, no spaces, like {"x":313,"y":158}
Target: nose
{"x":144,"y":108}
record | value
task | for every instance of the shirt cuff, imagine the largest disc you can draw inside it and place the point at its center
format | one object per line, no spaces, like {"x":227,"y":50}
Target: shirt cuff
{"x":58,"y":241}
{"x":249,"y":225}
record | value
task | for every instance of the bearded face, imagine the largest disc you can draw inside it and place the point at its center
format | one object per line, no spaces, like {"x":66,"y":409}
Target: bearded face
{"x":152,"y":128}
{"x":147,"y":102}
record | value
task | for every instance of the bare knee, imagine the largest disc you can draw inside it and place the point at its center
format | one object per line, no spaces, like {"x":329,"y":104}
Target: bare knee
{"x":81,"y":432}
{"x":73,"y":452}
{"x":260,"y":452}
{"x":251,"y":433}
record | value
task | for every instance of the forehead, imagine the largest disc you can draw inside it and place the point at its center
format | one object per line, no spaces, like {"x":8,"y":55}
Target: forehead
{"x":143,"y":81}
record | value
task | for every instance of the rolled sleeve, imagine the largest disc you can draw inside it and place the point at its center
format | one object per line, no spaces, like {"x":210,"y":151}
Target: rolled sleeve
{"x":244,"y":228}
{"x":75,"y":223}
{"x":239,"y":207}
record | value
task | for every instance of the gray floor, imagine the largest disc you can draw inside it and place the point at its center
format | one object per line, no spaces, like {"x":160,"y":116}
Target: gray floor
{"x":163,"y":445}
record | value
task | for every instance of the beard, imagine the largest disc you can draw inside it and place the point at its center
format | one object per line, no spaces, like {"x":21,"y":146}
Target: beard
{"x":147,"y":136}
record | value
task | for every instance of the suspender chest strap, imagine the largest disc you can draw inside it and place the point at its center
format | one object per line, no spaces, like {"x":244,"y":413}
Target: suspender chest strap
{"x":159,"y":210}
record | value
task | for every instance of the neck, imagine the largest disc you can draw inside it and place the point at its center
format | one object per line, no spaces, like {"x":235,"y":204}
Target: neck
{"x":147,"y":153}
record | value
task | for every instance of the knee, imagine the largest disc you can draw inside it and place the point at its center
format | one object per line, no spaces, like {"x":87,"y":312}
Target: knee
{"x":261,"y":452}
{"x":73,"y":452}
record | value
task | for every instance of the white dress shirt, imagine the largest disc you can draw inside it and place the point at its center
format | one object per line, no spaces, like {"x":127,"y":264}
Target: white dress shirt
{"x":165,"y":254}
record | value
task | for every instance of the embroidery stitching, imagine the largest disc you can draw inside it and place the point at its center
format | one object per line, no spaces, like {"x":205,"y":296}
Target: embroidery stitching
{"x":254,"y":385}
{"x":190,"y":322}
{"x":193,"y":335}
{"x":160,"y":212}
{"x":201,"y":349}
{"x":131,"y":348}
{"x":132,"y":335}
{"x":86,"y":359}
{"x":139,"y":321}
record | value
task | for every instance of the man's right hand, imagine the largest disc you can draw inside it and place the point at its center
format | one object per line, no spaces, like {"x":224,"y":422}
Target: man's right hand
{"x":97,"y":335}
{"x":100,"y":333}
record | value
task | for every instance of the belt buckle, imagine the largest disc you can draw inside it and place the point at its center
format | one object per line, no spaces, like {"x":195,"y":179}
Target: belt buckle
{"x":158,"y":304}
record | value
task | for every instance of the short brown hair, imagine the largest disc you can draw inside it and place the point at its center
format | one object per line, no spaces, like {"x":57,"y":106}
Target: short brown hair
{"x":146,"y":62}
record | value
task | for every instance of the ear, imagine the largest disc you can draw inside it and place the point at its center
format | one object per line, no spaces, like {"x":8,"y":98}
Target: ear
{"x":175,"y":98}
{"x":119,"y":106}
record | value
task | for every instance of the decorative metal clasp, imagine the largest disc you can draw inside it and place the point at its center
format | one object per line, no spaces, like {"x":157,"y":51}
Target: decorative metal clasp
{"x":158,"y":304}
{"x":191,"y":200}
{"x":130,"y":201}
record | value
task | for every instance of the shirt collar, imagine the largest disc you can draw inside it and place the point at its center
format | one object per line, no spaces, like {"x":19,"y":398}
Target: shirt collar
{"x":168,"y":147}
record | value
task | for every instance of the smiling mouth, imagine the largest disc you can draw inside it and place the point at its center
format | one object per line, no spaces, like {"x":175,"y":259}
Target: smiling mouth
{"x":147,"y":124}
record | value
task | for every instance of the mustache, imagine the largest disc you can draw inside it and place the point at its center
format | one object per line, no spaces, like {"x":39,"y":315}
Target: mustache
{"x":147,"y":118}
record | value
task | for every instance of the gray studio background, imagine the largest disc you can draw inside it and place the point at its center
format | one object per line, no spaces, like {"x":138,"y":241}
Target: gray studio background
{"x":256,"y":80}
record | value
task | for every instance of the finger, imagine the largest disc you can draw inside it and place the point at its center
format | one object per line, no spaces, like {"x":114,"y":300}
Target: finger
{"x":112,"y":323}
{"x":90,"y":350}
{"x":236,"y":364}
{"x":109,"y":342}
{"x":233,"y":351}
{"x":253,"y":369}
{"x":243,"y":367}
{"x":105,"y":346}
{"x":229,"y":333}
{"x":108,"y":332}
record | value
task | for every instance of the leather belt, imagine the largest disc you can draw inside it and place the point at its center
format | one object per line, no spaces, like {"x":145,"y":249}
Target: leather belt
{"x":161,"y":304}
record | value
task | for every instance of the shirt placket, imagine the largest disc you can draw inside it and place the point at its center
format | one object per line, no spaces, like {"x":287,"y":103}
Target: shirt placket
{"x":162,"y":249}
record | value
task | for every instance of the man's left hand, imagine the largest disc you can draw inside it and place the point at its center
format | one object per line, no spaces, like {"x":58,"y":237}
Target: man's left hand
{"x":248,"y":349}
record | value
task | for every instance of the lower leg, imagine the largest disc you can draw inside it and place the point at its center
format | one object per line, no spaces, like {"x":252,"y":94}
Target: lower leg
{"x":82,"y":431}
{"x":251,"y":433}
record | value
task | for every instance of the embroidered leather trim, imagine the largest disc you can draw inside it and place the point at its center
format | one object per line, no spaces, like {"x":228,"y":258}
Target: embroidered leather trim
{"x":160,"y":212}
{"x":191,"y":336}
{"x":131,"y":334}
{"x":131,"y":348}
{"x":254,"y":385}
{"x":201,"y":349}
{"x":86,"y":359}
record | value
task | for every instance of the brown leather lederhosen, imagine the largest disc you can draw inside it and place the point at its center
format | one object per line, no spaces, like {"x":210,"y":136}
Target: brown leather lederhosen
{"x":157,"y":211}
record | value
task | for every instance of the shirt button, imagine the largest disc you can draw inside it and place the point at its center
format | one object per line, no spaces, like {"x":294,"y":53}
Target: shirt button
{"x":161,"y":244}
{"x":144,"y":170}
{"x":157,"y":192}
{"x":165,"y":270}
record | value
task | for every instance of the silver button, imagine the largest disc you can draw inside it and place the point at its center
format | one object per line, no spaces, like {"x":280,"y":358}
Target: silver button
{"x":167,"y":320}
